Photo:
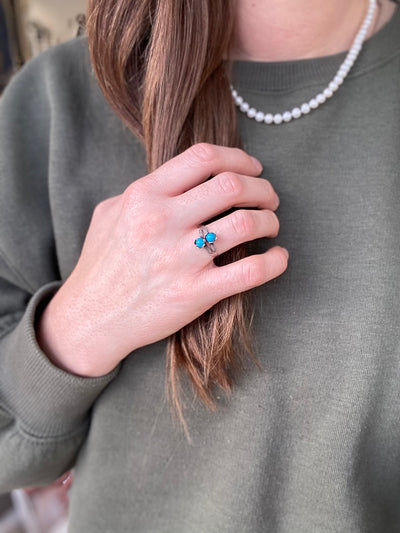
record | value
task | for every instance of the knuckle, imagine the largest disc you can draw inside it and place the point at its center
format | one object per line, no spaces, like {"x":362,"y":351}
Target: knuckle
{"x":243,"y":222}
{"x":104,"y":206}
{"x":133,"y":194}
{"x":229,"y":183}
{"x":99,"y":208}
{"x":202,"y":152}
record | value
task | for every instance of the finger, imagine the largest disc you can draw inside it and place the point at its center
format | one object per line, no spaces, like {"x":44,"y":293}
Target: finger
{"x":222,"y":192}
{"x":243,"y":226}
{"x":242,"y":275}
{"x":197,"y":164}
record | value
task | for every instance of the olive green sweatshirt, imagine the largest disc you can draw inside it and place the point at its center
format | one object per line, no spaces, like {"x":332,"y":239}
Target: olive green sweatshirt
{"x":309,"y":443}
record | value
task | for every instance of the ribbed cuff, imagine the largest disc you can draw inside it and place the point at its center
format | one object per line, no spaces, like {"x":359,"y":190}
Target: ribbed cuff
{"x":46,"y":400}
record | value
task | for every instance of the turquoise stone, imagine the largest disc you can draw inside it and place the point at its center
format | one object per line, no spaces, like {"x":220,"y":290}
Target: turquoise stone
{"x":210,"y":237}
{"x":200,"y":242}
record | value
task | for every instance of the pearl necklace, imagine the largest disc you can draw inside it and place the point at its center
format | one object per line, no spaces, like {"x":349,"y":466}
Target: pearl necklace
{"x":322,"y":97}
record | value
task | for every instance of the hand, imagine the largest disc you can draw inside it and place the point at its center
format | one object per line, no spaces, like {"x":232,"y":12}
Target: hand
{"x":140,"y":277}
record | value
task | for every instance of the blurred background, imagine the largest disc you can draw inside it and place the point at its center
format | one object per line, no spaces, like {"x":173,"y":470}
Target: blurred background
{"x":28,"y":27}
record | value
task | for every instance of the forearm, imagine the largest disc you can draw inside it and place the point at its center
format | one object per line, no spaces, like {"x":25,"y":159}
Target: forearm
{"x":44,"y":411}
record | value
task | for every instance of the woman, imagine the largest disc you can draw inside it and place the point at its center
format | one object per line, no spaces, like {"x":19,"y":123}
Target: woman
{"x":103,"y":196}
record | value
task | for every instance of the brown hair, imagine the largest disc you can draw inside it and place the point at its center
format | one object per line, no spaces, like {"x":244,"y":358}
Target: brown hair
{"x":161,"y":66}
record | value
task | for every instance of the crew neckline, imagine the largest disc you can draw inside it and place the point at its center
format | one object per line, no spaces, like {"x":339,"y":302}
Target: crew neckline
{"x":289,"y":75}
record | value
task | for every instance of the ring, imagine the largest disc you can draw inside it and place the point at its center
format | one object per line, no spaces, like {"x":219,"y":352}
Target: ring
{"x":206,"y":240}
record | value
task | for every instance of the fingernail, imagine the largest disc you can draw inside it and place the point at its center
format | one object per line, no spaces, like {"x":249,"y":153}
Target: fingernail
{"x":277,"y":200}
{"x":286,"y":252}
{"x":257,"y":164}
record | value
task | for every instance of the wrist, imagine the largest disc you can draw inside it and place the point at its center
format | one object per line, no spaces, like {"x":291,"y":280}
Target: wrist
{"x":64,"y":345}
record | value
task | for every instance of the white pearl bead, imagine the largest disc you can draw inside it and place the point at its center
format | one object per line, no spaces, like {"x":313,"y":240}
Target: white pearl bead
{"x":251,"y":113}
{"x":305,"y":108}
{"x":244,"y":107}
{"x":328,"y":93}
{"x":313,"y":103}
{"x":278,"y":119}
{"x":320,"y":98}
{"x":259,"y":116}
{"x":234,"y":93}
{"x":239,"y":100}
{"x":333,"y":86}
{"x":296,"y":112}
{"x":268,"y":118}
{"x":338,"y":79}
{"x":287,"y":116}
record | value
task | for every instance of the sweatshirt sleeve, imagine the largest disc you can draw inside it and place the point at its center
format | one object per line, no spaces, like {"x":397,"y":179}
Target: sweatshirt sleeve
{"x":44,"y":411}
